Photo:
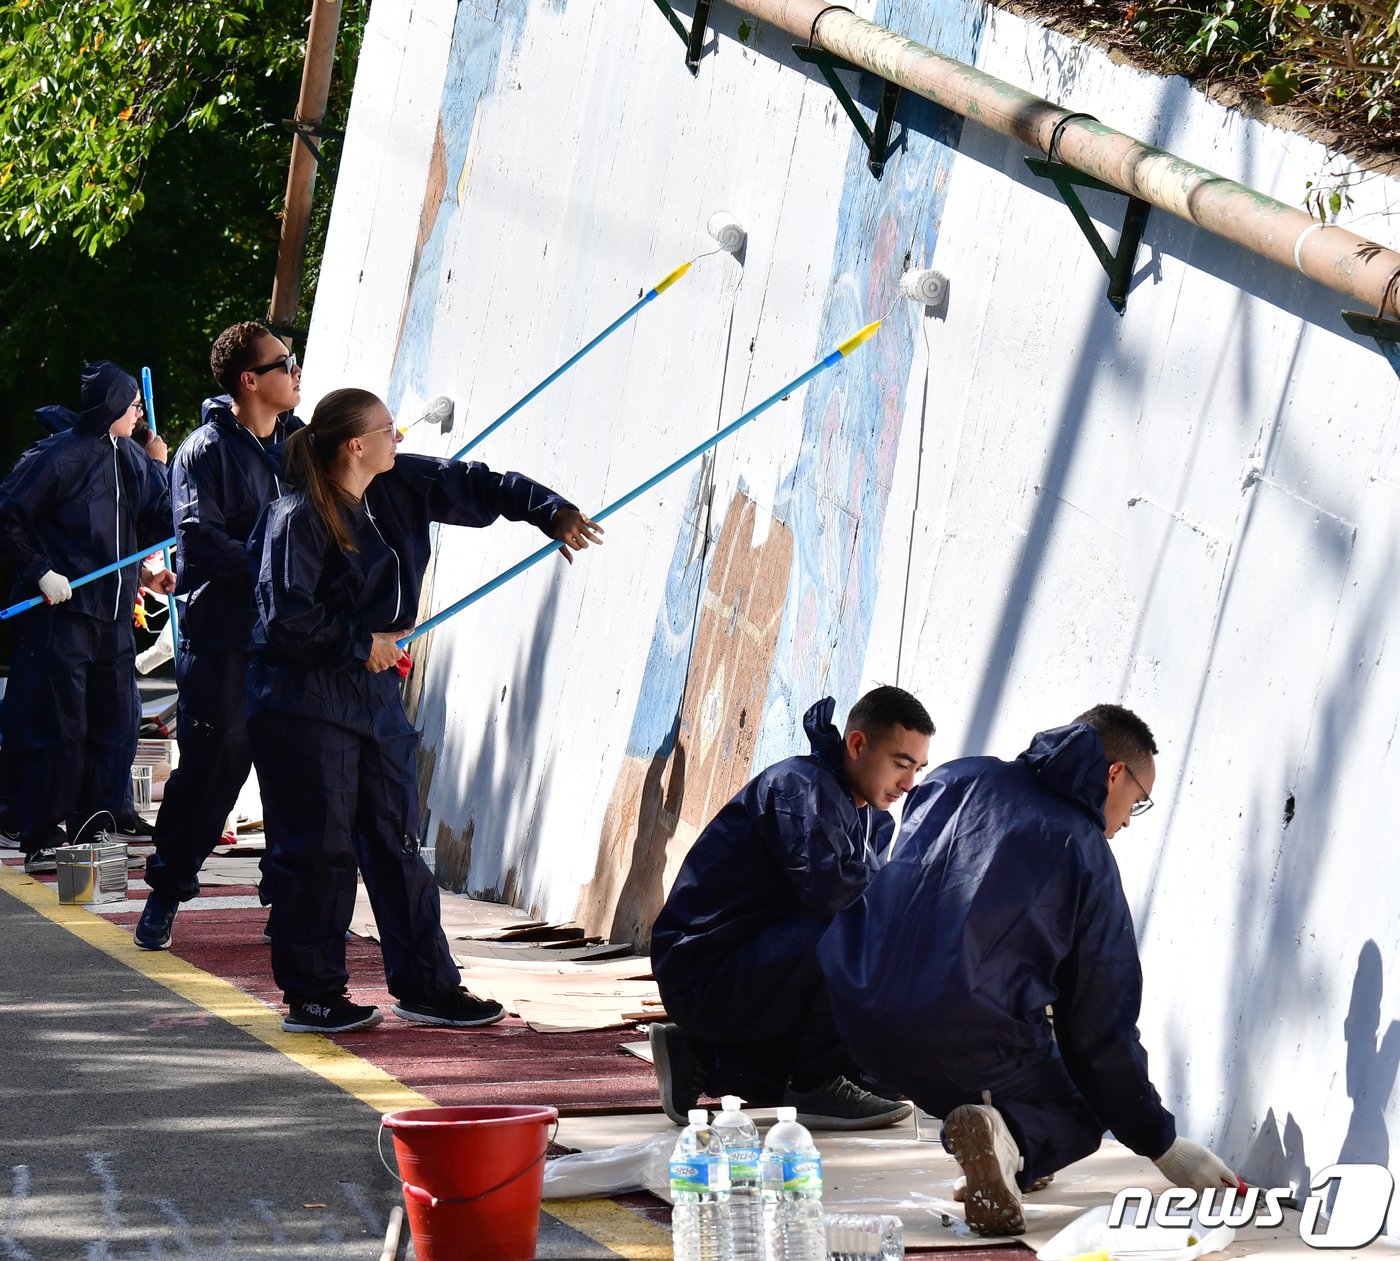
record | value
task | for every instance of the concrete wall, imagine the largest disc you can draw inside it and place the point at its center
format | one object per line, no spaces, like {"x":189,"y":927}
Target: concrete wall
{"x":1016,"y":506}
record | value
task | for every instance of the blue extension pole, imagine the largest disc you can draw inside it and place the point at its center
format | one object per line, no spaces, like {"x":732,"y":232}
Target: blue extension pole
{"x":25,"y":605}
{"x":500,"y":580}
{"x":170,"y":599}
{"x":659,"y":288}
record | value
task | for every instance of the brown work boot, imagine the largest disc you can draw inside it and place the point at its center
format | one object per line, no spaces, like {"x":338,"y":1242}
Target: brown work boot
{"x":983,"y":1146}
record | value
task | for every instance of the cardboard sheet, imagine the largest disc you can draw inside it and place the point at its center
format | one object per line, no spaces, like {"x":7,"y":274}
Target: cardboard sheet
{"x":890,"y":1171}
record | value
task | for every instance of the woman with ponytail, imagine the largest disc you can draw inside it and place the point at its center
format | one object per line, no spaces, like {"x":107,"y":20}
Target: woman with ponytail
{"x":338,"y":567}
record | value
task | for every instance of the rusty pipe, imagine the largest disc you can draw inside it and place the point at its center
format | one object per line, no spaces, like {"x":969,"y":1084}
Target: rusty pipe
{"x":1333,"y":256}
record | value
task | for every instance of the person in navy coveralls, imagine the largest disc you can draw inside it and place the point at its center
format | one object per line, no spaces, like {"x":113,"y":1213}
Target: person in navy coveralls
{"x":734,"y":947}
{"x":339,"y":565}
{"x":225,"y":473}
{"x":1002,"y":899}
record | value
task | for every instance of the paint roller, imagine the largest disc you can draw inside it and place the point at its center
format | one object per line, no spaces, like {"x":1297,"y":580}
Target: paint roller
{"x":924,"y":285}
{"x":438,"y":412}
{"x":728,"y":234}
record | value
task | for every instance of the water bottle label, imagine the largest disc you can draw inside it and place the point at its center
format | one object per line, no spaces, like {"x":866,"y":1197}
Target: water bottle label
{"x":802,"y":1173}
{"x":743,"y":1163}
{"x":699,"y":1176}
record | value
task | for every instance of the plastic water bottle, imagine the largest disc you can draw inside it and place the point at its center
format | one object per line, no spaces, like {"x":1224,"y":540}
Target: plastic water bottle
{"x":791,"y":1169}
{"x":701,"y":1229}
{"x":864,"y":1237}
{"x":741,"y":1144}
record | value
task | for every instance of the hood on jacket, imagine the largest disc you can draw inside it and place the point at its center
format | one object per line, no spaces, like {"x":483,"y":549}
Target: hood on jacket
{"x":825,"y":740}
{"x":1070,"y":762}
{"x":56,"y":418}
{"x":107,"y":391}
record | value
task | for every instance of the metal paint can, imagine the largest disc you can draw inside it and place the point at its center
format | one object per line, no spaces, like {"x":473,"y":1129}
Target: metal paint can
{"x":90,"y":874}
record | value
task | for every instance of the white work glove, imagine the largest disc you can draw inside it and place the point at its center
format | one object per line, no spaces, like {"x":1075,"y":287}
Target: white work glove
{"x":1188,"y":1164}
{"x":55,"y":587}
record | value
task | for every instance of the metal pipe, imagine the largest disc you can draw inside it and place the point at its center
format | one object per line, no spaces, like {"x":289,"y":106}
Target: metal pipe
{"x":301,"y":173}
{"x":1331,"y":255}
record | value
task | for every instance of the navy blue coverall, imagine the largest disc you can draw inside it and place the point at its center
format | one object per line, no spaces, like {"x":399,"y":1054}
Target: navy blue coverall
{"x":222,"y":479}
{"x":335,"y":754}
{"x":734,"y":947}
{"x":1002,"y":898}
{"x":76,"y":502}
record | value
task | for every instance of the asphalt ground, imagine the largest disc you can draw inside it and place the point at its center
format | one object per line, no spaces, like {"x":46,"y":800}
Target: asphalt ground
{"x":152,"y":1109}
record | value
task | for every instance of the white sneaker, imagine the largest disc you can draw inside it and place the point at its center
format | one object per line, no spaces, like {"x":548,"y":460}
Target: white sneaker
{"x":990,"y":1161}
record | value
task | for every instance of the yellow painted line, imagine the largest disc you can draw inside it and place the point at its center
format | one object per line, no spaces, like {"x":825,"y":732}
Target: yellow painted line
{"x":627,"y":1233}
{"x":357,"y":1077}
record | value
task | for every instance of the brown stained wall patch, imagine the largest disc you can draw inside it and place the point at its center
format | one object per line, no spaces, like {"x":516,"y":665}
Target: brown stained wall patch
{"x":454,"y":854}
{"x":658,"y":807}
{"x":433,"y":191}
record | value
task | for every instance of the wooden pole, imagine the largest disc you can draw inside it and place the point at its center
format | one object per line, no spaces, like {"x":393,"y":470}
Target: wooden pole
{"x":301,"y":174}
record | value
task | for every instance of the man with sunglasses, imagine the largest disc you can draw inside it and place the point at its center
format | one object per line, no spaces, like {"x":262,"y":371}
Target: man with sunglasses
{"x":224,"y":475}
{"x":1002,"y":900}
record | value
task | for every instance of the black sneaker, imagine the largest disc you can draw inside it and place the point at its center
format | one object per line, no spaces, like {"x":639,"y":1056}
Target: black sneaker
{"x":41,"y":860}
{"x":153,"y":932}
{"x":680,"y":1075}
{"x":9,"y":839}
{"x":458,"y":1009}
{"x":335,"y":1014}
{"x":840,"y":1104}
{"x":132,"y":824}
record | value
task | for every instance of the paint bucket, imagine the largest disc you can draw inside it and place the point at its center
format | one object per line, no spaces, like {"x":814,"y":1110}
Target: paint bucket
{"x":90,"y":874}
{"x":472,"y":1178}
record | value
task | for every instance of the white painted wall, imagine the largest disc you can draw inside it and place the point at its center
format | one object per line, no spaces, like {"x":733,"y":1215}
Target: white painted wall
{"x":1018,"y":508}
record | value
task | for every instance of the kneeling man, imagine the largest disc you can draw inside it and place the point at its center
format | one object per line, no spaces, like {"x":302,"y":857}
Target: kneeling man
{"x":1002,"y":899}
{"x":734,"y":948}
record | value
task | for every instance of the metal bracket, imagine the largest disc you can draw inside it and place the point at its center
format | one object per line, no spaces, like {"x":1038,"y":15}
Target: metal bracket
{"x":694,"y":38}
{"x":305,"y":131}
{"x":1119,"y":265}
{"x":877,"y":142}
{"x":1385,"y":332}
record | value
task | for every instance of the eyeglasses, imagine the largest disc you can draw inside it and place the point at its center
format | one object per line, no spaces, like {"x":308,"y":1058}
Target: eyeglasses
{"x":287,"y":364}
{"x":139,"y":406}
{"x":1143,"y":806}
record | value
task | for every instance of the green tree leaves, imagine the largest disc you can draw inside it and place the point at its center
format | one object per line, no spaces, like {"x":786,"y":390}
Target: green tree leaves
{"x":90,"y":88}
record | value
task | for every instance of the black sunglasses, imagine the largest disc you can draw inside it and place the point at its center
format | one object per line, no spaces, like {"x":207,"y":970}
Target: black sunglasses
{"x":286,"y":363}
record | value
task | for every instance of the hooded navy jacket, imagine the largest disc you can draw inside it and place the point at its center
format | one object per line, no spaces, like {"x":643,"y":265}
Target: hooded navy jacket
{"x":319,"y":606}
{"x":791,"y":844}
{"x":81,"y":499}
{"x":223,"y":477}
{"x":1001,"y":897}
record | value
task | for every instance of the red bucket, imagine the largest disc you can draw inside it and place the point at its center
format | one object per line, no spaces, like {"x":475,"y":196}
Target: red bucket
{"x":472,"y":1179}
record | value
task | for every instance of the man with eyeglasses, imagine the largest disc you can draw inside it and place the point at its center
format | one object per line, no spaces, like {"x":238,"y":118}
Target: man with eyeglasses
{"x":224,"y":475}
{"x":74,"y":503}
{"x":1002,"y":900}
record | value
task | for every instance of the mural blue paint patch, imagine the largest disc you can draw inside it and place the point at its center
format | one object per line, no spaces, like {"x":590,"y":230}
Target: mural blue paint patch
{"x":668,"y":659}
{"x":835,"y":497}
{"x":479,"y":45}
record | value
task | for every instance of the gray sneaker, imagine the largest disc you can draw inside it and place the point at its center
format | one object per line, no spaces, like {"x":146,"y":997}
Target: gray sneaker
{"x":680,"y":1077}
{"x":840,"y":1104}
{"x":990,"y":1160}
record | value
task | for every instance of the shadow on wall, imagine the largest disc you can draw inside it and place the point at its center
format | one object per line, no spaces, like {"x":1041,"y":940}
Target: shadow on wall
{"x":708,"y":753}
{"x":1279,"y":1160}
{"x":485,"y":790}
